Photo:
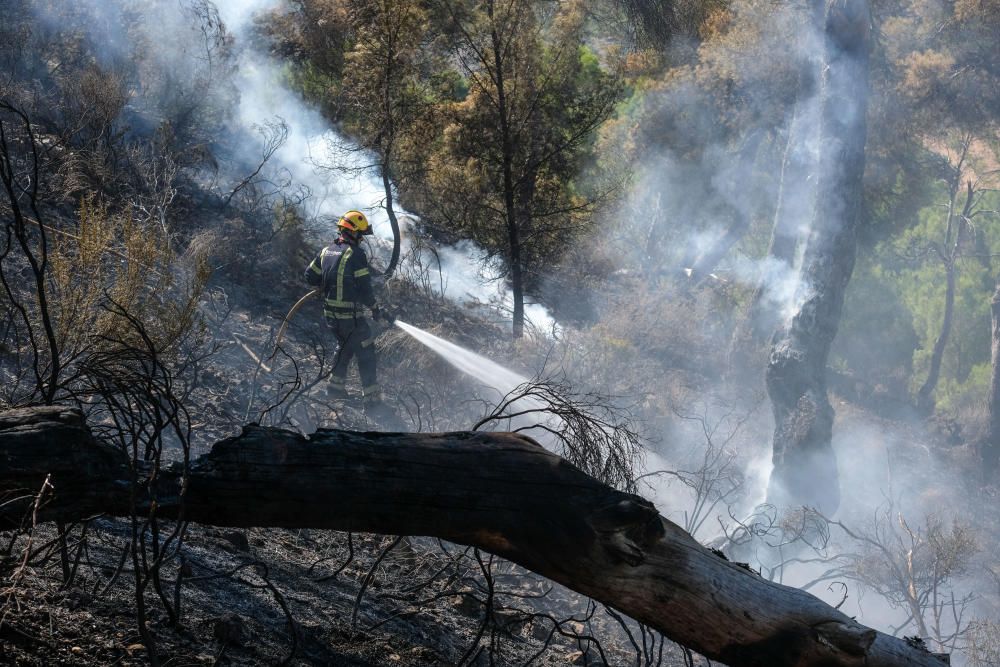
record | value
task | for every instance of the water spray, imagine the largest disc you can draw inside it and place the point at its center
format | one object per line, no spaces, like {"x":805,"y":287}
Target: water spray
{"x":498,"y":378}
{"x":488,"y":372}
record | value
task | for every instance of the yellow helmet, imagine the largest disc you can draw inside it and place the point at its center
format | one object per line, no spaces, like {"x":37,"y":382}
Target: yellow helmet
{"x":355,"y":221}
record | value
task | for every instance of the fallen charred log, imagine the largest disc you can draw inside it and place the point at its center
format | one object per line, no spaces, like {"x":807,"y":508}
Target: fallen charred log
{"x":497,"y":491}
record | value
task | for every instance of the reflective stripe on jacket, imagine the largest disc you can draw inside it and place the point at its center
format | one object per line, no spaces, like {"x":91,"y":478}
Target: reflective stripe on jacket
{"x":342,"y":271}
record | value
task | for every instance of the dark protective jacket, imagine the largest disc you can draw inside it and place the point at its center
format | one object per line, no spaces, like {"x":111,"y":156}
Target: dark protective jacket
{"x":341,"y":269}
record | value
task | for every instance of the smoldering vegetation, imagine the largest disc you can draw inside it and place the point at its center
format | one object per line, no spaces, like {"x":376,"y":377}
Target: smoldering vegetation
{"x":170,"y":169}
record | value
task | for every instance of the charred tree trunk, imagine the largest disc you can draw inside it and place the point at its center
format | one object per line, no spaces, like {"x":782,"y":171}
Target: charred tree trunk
{"x":21,"y":188}
{"x":805,"y":468}
{"x":705,"y":263}
{"x":990,"y":447}
{"x":796,"y":190}
{"x":501,"y":492}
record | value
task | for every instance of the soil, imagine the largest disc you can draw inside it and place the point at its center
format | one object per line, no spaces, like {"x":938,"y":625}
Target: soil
{"x":424,"y":605}
{"x":272,"y":596}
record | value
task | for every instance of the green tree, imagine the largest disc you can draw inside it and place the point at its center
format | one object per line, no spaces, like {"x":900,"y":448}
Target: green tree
{"x":955,"y":240}
{"x":383,"y":94}
{"x":939,"y":83}
{"x":504,"y":172}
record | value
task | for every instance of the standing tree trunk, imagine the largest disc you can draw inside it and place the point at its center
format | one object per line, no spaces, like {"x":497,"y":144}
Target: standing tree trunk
{"x":507,"y":148}
{"x":805,"y":468}
{"x":391,"y":212}
{"x":389,"y":123}
{"x":524,"y":189}
{"x":21,"y":186}
{"x":796,"y":191}
{"x":990,"y":446}
{"x":949,"y":253}
{"x":925,"y":397}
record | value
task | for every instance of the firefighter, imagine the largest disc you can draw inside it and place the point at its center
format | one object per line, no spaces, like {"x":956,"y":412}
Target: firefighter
{"x":341,"y":271}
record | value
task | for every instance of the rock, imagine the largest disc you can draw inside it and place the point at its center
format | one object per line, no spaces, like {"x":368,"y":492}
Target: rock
{"x":77,"y":598}
{"x":237,"y":539}
{"x":465,"y":603}
{"x":229,"y":629}
{"x":541,"y":629}
{"x":424,"y":655}
{"x":509,"y":619}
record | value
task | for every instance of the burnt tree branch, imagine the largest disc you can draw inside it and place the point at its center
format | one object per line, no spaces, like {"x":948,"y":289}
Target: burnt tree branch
{"x":497,"y":491}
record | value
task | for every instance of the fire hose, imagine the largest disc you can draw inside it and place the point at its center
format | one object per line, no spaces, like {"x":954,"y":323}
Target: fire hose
{"x":288,"y":317}
{"x":277,"y":342}
{"x":388,"y":317}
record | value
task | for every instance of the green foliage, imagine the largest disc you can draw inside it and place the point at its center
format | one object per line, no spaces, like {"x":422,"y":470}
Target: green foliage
{"x":382,"y":90}
{"x":696,"y":130}
{"x":975,"y":287}
{"x":956,"y":396}
{"x":414,"y":82}
{"x":315,"y":83}
{"x":556,"y":94}
{"x":895,"y":306}
{"x":877,"y":339}
{"x":448,"y":86}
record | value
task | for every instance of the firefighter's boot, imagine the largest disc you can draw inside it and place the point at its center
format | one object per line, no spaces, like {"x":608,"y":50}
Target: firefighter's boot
{"x":379,"y":411}
{"x":337,"y":389}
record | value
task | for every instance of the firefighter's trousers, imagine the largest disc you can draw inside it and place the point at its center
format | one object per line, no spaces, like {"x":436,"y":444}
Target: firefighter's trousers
{"x":356,"y":340}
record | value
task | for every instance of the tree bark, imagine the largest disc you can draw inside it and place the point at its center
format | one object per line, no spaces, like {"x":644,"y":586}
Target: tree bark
{"x":990,"y":447}
{"x":925,"y":397}
{"x":501,"y":492}
{"x":805,"y":467}
{"x":796,"y":191}
{"x":510,"y":211}
{"x":739,"y":223}
{"x":391,"y":212}
{"x":950,"y":254}
{"x":388,"y":143}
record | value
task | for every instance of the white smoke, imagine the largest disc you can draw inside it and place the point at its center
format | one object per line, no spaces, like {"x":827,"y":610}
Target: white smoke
{"x":313,"y":147}
{"x":316,"y":156}
{"x":675,"y":218}
{"x":310,"y":154}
